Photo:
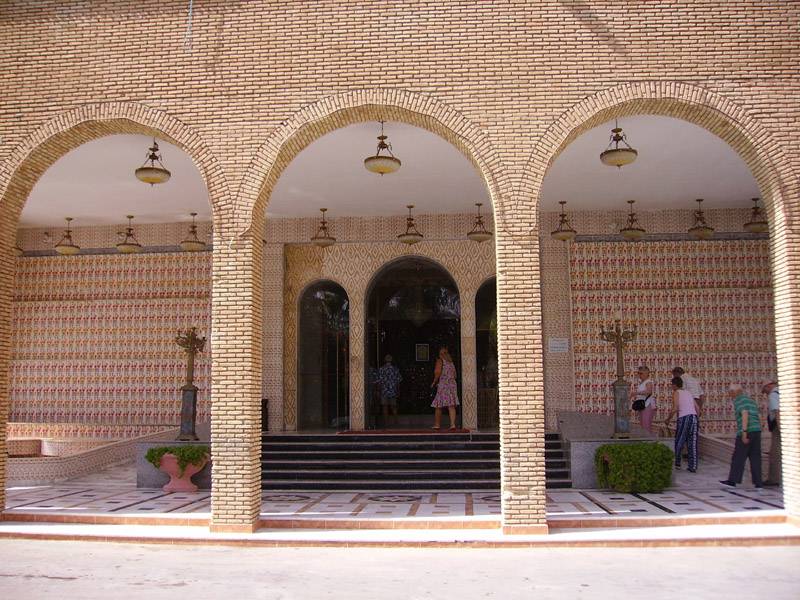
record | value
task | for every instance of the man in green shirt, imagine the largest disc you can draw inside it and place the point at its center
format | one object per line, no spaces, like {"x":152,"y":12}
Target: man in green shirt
{"x":748,"y":438}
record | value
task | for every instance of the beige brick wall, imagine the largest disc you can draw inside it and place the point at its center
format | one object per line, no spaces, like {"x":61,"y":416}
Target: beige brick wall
{"x":508,"y":83}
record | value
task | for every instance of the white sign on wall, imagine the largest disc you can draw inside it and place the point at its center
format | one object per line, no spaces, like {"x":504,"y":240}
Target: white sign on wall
{"x":557,"y":345}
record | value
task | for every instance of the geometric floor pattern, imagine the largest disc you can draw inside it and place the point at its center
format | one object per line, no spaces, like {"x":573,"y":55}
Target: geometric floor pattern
{"x":113,"y":493}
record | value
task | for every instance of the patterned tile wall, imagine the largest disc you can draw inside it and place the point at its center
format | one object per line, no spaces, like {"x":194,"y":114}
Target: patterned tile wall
{"x":94,"y":337}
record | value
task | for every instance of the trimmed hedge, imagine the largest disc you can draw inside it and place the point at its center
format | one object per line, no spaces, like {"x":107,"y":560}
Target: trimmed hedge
{"x":634,"y":467}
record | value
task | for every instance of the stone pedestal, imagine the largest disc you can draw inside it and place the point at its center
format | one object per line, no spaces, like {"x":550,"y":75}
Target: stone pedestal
{"x":622,"y":409}
{"x":188,"y":414}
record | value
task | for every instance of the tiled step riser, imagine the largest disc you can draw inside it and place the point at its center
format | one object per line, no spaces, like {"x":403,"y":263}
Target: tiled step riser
{"x":381,"y":447}
{"x":351,"y":465}
{"x":363,"y":455}
{"x":371,"y":439}
{"x":294,"y":486}
{"x":380,"y":476}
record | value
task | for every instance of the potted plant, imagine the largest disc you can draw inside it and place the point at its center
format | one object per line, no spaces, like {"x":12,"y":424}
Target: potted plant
{"x":180,"y":463}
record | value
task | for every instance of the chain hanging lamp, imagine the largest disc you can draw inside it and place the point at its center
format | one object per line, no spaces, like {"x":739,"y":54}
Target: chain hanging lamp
{"x":479,"y":232}
{"x":564,"y":232}
{"x":632,"y":232}
{"x":323,"y":238}
{"x":758,"y":222}
{"x":700,"y":230}
{"x":382,"y":163}
{"x":129,"y":245}
{"x":153,"y":173}
{"x":66,"y":246}
{"x":618,"y":156}
{"x":411,"y":236}
{"x":193,"y":243}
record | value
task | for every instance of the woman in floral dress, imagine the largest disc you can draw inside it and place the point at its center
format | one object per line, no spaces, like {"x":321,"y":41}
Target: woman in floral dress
{"x":447,"y":392}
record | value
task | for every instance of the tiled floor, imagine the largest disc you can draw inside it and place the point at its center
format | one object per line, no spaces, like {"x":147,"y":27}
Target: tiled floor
{"x":112,"y":493}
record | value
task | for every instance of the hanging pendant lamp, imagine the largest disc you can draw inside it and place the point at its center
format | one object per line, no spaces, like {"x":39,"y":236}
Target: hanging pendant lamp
{"x":193,"y":243}
{"x":153,"y":173}
{"x":632,"y":231}
{"x":18,"y":251}
{"x":323,"y":238}
{"x":382,"y":163}
{"x":700,"y":230}
{"x":411,"y":236}
{"x":129,"y":245}
{"x":564,"y":232}
{"x":758,"y":222}
{"x":618,"y":156}
{"x":479,"y":232}
{"x":66,"y":246}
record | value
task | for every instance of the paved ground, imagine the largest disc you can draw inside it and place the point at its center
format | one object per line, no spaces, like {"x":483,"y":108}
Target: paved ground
{"x":88,"y":570}
{"x":114,"y":492}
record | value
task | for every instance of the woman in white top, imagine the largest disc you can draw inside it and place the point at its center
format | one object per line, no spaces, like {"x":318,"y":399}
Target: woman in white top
{"x":645,"y":390}
{"x":684,"y":404}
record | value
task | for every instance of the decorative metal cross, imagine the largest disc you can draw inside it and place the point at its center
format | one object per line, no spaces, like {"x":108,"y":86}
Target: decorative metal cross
{"x":192,"y":344}
{"x":620,"y":338}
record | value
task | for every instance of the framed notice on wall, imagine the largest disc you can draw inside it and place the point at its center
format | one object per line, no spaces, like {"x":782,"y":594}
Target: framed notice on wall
{"x":423,"y":352}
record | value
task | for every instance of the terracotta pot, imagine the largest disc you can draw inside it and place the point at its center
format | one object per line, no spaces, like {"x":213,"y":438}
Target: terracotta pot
{"x":178,"y":482}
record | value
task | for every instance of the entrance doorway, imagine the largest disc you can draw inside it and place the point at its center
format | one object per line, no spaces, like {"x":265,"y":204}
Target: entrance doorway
{"x":486,"y":355}
{"x":323,"y":358}
{"x":413,"y":308}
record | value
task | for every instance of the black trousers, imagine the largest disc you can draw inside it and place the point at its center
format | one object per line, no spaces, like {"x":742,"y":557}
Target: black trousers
{"x":742,"y":452}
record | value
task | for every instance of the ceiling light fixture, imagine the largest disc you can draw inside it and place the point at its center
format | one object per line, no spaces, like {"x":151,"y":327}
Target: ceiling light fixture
{"x":152,"y":173}
{"x":411,"y":236}
{"x":382,"y":163}
{"x":479,"y":232}
{"x":193,"y":243}
{"x":66,"y":245}
{"x":758,"y":222}
{"x":323,"y":238}
{"x":700,"y":230}
{"x":564,"y":232}
{"x":616,"y":156}
{"x":632,"y":231}
{"x":129,"y":245}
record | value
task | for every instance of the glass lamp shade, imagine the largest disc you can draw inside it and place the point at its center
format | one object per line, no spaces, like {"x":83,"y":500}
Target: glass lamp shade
{"x":152,"y":174}
{"x":564,"y":235}
{"x":701,"y":232}
{"x":382,"y":164}
{"x":67,"y":248}
{"x":632,"y":234}
{"x":479,"y":236}
{"x":618,"y":157}
{"x":756,"y":227}
{"x":129,"y":247}
{"x":410,"y":237}
{"x":323,"y":241}
{"x":192,"y":245}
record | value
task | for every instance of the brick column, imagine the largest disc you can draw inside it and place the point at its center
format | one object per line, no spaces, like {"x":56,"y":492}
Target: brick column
{"x":236,"y":313}
{"x":469,"y":380}
{"x":521,"y":379}
{"x":6,"y":286}
{"x":785,"y":252}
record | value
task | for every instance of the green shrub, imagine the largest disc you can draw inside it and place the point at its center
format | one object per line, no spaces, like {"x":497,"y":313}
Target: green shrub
{"x":186,"y":454}
{"x":634,"y":467}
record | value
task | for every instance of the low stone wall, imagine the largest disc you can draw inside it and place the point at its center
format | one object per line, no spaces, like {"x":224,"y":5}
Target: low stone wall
{"x":48,"y":469}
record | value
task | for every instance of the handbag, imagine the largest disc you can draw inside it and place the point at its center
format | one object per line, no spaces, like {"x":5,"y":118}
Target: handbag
{"x":639,"y":405}
{"x":772,"y":424}
{"x":434,"y":389}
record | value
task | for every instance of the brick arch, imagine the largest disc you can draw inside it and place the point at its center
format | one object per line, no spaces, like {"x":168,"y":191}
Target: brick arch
{"x":29,"y":160}
{"x":335,"y":112}
{"x":715,"y":113}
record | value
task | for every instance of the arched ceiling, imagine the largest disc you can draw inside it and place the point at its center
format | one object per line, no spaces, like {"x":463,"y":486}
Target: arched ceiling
{"x":677,"y":163}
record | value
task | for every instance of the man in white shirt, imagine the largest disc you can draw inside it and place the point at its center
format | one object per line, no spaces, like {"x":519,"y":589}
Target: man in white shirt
{"x":770,"y":388}
{"x":691,"y":385}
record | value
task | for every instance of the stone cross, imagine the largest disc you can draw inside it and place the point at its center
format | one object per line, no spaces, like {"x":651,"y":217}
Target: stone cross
{"x":620,"y":338}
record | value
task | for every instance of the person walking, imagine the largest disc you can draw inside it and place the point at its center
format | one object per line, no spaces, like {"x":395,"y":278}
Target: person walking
{"x":645,"y":397}
{"x":686,"y":428}
{"x":444,"y":380}
{"x":691,"y":385}
{"x":389,"y":379}
{"x":770,"y":388}
{"x":748,"y":439}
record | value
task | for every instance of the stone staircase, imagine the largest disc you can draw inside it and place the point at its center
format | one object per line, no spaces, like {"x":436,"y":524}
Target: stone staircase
{"x":401,"y":461}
